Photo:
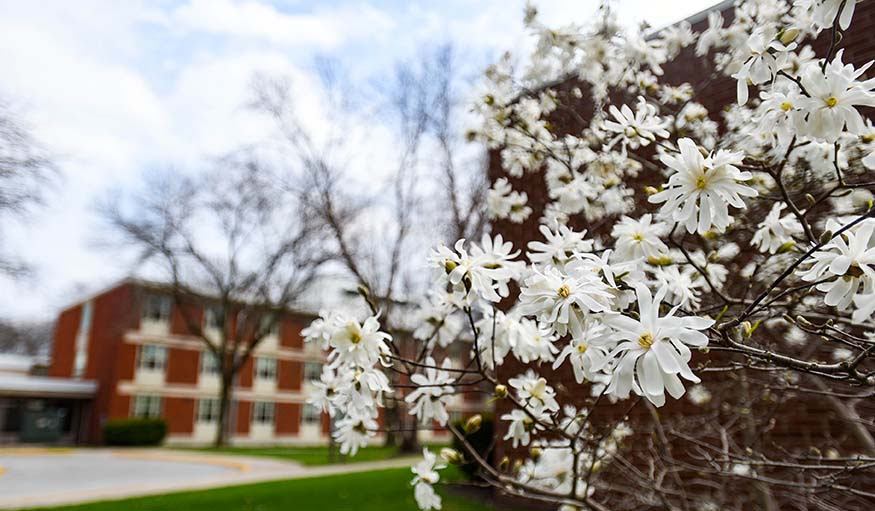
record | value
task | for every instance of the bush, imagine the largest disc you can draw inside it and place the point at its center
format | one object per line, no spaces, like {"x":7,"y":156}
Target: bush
{"x":480,"y":440}
{"x":134,"y":431}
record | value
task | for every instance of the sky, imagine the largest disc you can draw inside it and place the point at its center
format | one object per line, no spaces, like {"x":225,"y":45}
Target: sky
{"x":118,"y":89}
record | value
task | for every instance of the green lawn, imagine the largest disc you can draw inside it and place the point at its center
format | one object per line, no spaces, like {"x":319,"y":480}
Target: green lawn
{"x":383,"y":490}
{"x":307,"y":455}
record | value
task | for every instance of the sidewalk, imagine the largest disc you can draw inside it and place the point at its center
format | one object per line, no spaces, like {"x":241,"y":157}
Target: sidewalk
{"x":47,"y":478}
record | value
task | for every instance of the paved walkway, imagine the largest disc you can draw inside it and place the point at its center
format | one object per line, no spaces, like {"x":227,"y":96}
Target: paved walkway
{"x":47,"y":477}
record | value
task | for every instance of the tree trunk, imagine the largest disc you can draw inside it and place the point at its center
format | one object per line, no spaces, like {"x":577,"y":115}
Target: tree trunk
{"x":224,"y":408}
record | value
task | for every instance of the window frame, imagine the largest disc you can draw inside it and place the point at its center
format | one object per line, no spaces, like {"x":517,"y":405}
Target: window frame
{"x":309,"y":367}
{"x":147,"y":406}
{"x":263,"y":412}
{"x":164,"y":307}
{"x":207,"y":410}
{"x":271,"y":372}
{"x":203,"y":365}
{"x":311,"y":415}
{"x":147,"y":360}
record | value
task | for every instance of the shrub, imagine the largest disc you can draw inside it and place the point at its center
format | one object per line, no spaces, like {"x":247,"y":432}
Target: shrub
{"x":134,"y":431}
{"x":480,"y":440}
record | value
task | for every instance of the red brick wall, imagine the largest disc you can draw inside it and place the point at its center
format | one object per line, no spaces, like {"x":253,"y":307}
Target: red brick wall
{"x":288,"y":418}
{"x":178,"y":323}
{"x":288,"y":374}
{"x":244,"y":377}
{"x":182,"y":366}
{"x":179,"y":413}
{"x":290,"y":331}
{"x":64,"y":345}
{"x":244,"y":414}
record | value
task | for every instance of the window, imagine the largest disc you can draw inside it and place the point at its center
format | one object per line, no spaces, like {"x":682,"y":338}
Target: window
{"x":262,"y":412}
{"x":209,"y":363}
{"x":208,"y":410}
{"x":156,"y":307}
{"x":312,"y":371}
{"x":311,"y":414}
{"x":214,"y":317}
{"x":265,"y":368}
{"x":146,"y":407}
{"x":152,"y":357}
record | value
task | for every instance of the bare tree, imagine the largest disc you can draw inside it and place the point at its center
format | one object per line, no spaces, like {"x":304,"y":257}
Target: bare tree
{"x":26,"y":338}
{"x":25,"y":171}
{"x":230,"y":241}
{"x":427,"y":180}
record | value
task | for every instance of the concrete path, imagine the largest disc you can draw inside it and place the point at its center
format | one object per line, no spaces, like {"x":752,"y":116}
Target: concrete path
{"x":50,"y":477}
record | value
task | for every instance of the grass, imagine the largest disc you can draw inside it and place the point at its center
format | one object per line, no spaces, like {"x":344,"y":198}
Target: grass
{"x":307,"y":455}
{"x":383,"y":490}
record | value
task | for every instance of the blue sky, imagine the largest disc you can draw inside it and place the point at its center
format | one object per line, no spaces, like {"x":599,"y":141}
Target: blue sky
{"x":115,"y":88}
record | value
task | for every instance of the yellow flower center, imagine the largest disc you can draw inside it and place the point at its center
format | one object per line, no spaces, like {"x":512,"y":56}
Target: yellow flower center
{"x":581,"y":348}
{"x":832,"y":101}
{"x":786,"y":105}
{"x":564,"y":291}
{"x":638,"y":236}
{"x":355,"y":336}
{"x":646,"y":340}
{"x":701,"y":182}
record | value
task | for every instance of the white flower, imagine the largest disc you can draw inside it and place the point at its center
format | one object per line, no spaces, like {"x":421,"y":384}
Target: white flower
{"x":699,"y":395}
{"x":865,"y":304}
{"x":834,"y":95}
{"x":437,"y":322}
{"x":636,"y":129}
{"x":534,"y":392}
{"x":433,"y":393}
{"x":850,"y":257}
{"x":359,"y":344}
{"x":354,"y":432}
{"x":775,"y":231}
{"x":713,"y":35}
{"x":503,"y":202}
{"x":425,"y":476}
{"x":762,"y":64}
{"x":531,"y":341}
{"x":326,"y":389}
{"x":486,"y":271}
{"x":637,"y":239}
{"x":654,"y":350}
{"x":825,"y":12}
{"x":701,"y":189}
{"x":559,"y":246}
{"x":562,"y":300}
{"x":586,"y":351}
{"x":522,"y":425}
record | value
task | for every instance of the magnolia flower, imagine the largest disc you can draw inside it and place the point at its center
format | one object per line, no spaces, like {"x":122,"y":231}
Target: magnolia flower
{"x":531,"y":341}
{"x":586,"y":351}
{"x":354,"y":432}
{"x":437,"y":323}
{"x":503,"y":202}
{"x":636,"y":129}
{"x":433,"y":393}
{"x":713,"y":35}
{"x":326,"y":389}
{"x":775,"y":231}
{"x":637,"y":239}
{"x":833,"y":95}
{"x":561,"y":300}
{"x":762,"y":64}
{"x":522,"y":425}
{"x":534,"y":392}
{"x":850,"y":257}
{"x":865,"y":304}
{"x":486,"y":271}
{"x":825,"y":12}
{"x":653,"y":350}
{"x":701,"y":189}
{"x":359,"y":344}
{"x":558,"y":246}
{"x":425,"y":476}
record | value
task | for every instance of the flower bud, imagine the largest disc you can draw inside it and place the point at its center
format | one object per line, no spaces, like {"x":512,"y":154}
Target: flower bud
{"x":449,"y":266}
{"x":788,"y":35}
{"x":504,"y":464}
{"x":825,"y":237}
{"x":786,"y":247}
{"x":472,"y":425}
{"x":535,"y":452}
{"x":500,"y":391}
{"x":517,"y":466}
{"x":452,"y":456}
{"x":664,"y":260}
{"x":650,"y":190}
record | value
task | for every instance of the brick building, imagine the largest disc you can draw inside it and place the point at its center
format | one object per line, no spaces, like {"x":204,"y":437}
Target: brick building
{"x":134,"y":344}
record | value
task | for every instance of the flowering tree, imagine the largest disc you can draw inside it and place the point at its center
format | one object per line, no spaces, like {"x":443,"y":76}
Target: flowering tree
{"x":729,"y":253}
